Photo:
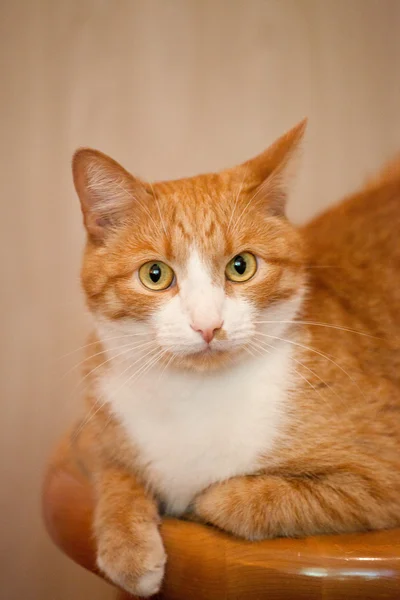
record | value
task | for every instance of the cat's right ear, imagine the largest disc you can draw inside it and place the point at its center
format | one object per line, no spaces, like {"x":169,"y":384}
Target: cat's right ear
{"x":106,"y":191}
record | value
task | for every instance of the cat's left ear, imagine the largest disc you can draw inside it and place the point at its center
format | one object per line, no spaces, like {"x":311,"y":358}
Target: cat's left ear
{"x":270,"y":173}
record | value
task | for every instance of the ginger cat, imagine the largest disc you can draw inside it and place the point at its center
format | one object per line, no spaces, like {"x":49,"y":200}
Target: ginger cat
{"x":242,"y":372}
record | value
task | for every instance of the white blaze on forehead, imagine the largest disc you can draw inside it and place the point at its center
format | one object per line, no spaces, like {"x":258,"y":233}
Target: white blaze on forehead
{"x":201,"y":299}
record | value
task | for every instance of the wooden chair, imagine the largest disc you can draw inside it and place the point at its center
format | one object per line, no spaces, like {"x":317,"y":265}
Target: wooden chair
{"x":205,"y":564}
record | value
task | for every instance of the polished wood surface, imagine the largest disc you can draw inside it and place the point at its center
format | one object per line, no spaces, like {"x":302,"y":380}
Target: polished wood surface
{"x":205,"y":564}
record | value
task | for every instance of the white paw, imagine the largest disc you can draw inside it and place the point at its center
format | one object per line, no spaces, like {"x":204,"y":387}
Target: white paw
{"x":150,"y":583}
{"x":138,"y":564}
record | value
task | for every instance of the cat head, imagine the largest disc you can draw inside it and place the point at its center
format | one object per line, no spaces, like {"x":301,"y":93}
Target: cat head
{"x":189,"y":271}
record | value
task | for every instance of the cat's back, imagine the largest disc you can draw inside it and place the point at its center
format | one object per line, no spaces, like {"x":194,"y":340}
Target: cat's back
{"x":354,"y":253}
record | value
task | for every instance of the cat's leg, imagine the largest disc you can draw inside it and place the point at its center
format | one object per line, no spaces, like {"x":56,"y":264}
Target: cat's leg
{"x":264,"y":506}
{"x":129,"y":546}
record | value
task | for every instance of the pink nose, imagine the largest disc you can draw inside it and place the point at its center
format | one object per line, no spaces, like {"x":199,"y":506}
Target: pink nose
{"x":207,"y":333}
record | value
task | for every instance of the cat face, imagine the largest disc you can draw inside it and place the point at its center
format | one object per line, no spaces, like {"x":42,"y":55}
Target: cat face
{"x":186,"y":271}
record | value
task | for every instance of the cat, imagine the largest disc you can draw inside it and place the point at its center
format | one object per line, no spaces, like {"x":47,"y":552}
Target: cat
{"x":242,"y":372}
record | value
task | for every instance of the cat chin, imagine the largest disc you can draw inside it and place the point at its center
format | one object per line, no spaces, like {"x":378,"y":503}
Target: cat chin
{"x":206,"y":360}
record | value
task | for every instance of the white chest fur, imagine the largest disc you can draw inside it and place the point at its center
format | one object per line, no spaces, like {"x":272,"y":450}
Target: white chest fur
{"x":196,"y":429}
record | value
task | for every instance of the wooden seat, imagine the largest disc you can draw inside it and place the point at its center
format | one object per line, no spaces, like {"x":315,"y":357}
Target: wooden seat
{"x":205,"y":564}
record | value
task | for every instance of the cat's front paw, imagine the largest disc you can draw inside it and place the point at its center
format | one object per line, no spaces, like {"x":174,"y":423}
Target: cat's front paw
{"x":229,"y":505}
{"x":134,"y":560}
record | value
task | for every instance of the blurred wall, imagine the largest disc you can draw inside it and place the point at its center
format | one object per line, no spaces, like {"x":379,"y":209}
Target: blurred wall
{"x":169,"y":88}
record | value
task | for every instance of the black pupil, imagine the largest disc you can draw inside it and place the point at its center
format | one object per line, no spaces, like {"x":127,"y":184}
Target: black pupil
{"x":155,"y":273}
{"x":240,"y":264}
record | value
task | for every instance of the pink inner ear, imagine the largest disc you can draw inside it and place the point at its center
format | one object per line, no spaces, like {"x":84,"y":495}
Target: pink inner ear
{"x":106,"y":190}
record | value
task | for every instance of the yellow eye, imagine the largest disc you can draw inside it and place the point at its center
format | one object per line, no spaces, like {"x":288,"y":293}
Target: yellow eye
{"x":156,"y":275}
{"x":241,"y":268}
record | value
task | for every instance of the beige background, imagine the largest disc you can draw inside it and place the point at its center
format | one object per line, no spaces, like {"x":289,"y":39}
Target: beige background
{"x":168,"y":87}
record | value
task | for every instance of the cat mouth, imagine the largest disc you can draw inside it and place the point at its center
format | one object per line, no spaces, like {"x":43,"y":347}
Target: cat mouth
{"x":209,"y":358}
{"x":213,"y":350}
{"x":218,"y":347}
{"x":207,"y":351}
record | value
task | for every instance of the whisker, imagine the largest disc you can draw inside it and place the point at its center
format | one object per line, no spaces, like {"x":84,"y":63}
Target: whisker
{"x":320,"y":324}
{"x":82,"y":362}
{"x":308,"y":369}
{"x":316,"y":390}
{"x":138,"y":360}
{"x":151,"y":362}
{"x":109,"y":360}
{"x":146,"y":368}
{"x":98,"y":405}
{"x":248,"y":347}
{"x":257,"y":345}
{"x":313,"y":373}
{"x":138,"y":370}
{"x":318,"y":377}
{"x":95,"y":409}
{"x":116,"y":337}
{"x":318,"y":353}
{"x":166,"y":366}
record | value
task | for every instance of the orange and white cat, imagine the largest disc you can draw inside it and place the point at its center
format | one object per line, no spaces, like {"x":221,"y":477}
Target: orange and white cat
{"x":242,"y":372}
